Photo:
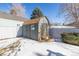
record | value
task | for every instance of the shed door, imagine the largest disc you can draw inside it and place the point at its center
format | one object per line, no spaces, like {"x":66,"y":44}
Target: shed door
{"x":44,"y":32}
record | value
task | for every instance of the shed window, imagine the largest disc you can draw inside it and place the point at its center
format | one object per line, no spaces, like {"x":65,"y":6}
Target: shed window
{"x":32,"y":27}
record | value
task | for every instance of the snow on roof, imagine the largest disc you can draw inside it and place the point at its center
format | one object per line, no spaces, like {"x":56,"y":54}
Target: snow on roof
{"x":62,"y":27}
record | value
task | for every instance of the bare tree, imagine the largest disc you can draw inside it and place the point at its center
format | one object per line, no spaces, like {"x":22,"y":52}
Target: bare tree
{"x":17,"y":9}
{"x":70,"y":11}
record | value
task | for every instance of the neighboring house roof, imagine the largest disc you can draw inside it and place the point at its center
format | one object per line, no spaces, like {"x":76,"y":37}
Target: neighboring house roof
{"x":76,"y":24}
{"x":11,"y":17}
{"x":25,"y":20}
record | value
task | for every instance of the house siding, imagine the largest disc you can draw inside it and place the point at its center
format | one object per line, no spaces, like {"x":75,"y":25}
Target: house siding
{"x":10,"y":28}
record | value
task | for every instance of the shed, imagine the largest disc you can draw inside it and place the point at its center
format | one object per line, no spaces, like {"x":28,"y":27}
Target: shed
{"x":37,"y":29}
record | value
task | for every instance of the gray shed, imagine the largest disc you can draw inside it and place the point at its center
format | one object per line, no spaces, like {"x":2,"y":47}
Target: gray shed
{"x":36,"y":29}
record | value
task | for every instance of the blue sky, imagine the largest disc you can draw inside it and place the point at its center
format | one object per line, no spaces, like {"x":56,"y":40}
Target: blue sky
{"x":50,"y":10}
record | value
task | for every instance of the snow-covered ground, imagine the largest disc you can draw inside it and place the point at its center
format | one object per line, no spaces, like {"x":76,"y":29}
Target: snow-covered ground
{"x":34,"y":48}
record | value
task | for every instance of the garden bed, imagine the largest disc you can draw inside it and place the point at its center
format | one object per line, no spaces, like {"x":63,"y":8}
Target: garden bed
{"x":71,"y":38}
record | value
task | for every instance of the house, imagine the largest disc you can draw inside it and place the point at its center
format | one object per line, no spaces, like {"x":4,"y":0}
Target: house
{"x":76,"y":24}
{"x":56,"y":31}
{"x":13,"y":26}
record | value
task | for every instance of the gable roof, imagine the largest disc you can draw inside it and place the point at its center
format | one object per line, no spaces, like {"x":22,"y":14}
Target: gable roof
{"x":11,"y":17}
{"x":35,"y":21}
{"x":32,"y":21}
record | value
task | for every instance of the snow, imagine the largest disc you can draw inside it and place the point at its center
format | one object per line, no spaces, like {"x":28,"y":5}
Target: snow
{"x":6,"y":42}
{"x":34,"y":48}
{"x":31,"y":47}
{"x":62,"y":27}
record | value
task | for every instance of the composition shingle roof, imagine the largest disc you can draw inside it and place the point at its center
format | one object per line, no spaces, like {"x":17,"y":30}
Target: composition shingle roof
{"x":33,"y":21}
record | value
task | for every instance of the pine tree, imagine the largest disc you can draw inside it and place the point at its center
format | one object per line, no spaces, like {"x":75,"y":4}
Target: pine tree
{"x":36,"y":13}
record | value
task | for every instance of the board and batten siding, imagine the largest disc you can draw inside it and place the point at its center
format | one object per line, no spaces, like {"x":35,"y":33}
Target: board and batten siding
{"x":30,"y":31}
{"x":56,"y":31}
{"x":26,"y":31}
{"x":34,"y":31}
{"x":10,"y":28}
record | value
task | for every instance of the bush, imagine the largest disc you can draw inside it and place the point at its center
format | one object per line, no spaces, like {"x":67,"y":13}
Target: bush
{"x":72,"y":38}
